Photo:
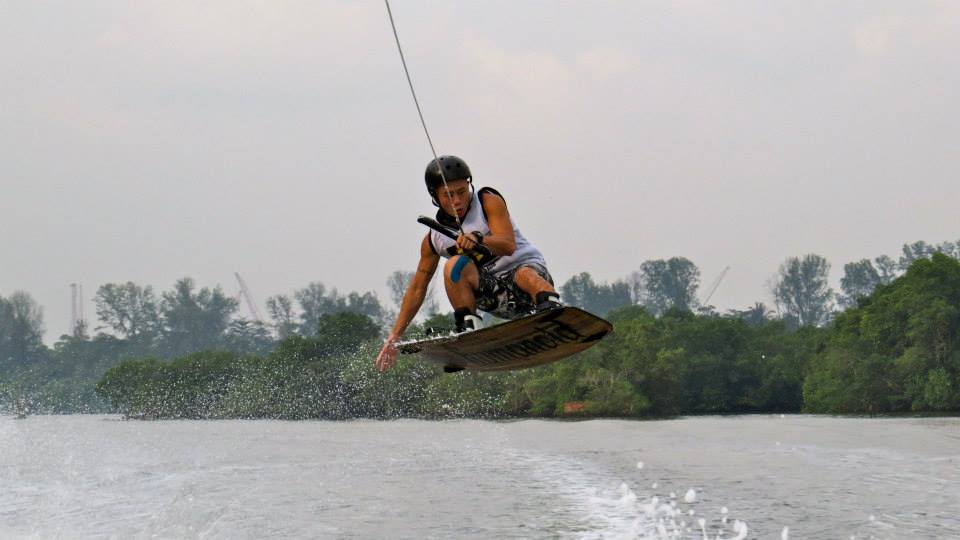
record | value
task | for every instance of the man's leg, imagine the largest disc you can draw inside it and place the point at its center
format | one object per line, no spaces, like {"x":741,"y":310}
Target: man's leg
{"x":543,"y":294}
{"x":462,"y":281}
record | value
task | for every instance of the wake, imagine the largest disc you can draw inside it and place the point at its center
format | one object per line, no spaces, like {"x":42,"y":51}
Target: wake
{"x":596,"y":505}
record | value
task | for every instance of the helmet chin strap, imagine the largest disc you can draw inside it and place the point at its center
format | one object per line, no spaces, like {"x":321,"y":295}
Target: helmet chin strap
{"x":420,"y":112}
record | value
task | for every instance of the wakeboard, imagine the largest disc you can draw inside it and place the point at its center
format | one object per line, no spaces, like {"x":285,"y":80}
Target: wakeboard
{"x":528,"y":341}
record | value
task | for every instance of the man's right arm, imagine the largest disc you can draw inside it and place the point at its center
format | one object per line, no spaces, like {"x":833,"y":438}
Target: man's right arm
{"x":417,"y":290}
{"x":412,"y":300}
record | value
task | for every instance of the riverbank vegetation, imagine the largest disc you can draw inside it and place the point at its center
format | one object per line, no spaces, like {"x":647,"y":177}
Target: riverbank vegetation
{"x":894,"y":348}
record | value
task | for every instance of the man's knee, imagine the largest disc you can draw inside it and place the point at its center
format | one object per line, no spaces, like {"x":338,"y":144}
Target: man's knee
{"x":531,"y":281}
{"x":459,"y":267}
{"x":524,"y":272}
{"x":528,"y":274}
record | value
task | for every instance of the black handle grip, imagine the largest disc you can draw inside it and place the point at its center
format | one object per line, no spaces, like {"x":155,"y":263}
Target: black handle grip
{"x":449,"y":232}
{"x":480,"y":254}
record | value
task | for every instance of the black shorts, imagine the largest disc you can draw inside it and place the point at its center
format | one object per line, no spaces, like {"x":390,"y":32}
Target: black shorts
{"x":500,"y":296}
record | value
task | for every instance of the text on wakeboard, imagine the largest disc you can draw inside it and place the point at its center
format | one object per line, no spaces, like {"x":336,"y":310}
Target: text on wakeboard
{"x":547,"y":336}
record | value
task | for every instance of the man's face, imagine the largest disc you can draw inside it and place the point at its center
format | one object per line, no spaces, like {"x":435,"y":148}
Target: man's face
{"x":457,"y":200}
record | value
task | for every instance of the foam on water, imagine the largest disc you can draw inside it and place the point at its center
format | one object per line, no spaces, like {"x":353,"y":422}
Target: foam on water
{"x":600,"y":507}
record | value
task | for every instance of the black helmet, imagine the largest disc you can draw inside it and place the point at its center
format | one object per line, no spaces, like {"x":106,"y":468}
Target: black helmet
{"x":454,"y":168}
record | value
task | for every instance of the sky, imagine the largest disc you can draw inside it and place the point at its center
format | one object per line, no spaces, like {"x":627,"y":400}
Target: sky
{"x":148,"y":141}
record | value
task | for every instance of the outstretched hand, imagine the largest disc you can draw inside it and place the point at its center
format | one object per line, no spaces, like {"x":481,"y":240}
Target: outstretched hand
{"x":388,"y":356}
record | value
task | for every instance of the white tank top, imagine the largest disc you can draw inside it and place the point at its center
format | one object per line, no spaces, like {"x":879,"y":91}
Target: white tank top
{"x":476,"y":220}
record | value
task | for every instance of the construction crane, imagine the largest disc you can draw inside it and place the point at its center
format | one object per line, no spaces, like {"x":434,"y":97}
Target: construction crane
{"x":77,"y":321}
{"x":245,"y":293}
{"x":714,"y":285}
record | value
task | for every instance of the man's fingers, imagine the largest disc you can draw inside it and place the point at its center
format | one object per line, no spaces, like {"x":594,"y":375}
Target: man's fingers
{"x":387,"y":357}
{"x":465,"y":242}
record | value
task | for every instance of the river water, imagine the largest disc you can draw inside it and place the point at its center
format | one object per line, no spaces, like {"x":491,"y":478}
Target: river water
{"x":707,"y":477}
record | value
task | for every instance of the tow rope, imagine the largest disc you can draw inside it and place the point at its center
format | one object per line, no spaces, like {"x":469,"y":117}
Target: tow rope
{"x":419,"y":111}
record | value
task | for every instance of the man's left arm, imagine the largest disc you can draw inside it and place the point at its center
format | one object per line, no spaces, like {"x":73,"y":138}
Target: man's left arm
{"x":501,"y":240}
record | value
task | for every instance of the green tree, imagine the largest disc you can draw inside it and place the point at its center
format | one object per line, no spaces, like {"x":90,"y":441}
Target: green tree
{"x":193,"y":386}
{"x":913,"y":252}
{"x":280,"y":308}
{"x":128,"y":309}
{"x":315,"y":302}
{"x":194,"y":320}
{"x":669,"y":284}
{"x":859,"y":279}
{"x":950,"y":249}
{"x":771,"y":365}
{"x":135,"y":388}
{"x":401,"y":392}
{"x":248,"y":337}
{"x":305,"y":376}
{"x":802,"y":290}
{"x":757,"y":315}
{"x":899,"y":350}
{"x":188,"y":387}
{"x":345,"y":331}
{"x":397,"y":284}
{"x":363,"y":304}
{"x":886,"y":268}
{"x":21,"y":330}
{"x":583,"y":292}
{"x":623,"y":375}
{"x":940,"y":392}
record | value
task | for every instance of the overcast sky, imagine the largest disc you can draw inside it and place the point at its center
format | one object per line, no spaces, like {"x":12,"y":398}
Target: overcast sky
{"x":147,"y":141}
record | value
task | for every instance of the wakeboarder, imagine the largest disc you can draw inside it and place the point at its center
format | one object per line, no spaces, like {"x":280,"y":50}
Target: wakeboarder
{"x":510,"y":282}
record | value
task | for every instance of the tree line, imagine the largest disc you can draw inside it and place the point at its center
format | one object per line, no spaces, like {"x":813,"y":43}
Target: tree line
{"x":134,"y":322}
{"x":800,"y":289}
{"x":897,"y":351}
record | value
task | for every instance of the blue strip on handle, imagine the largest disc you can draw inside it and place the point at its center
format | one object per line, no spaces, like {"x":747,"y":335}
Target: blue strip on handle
{"x":458,"y":267}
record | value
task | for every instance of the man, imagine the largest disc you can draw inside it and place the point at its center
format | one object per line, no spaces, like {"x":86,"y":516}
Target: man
{"x":514,"y":283}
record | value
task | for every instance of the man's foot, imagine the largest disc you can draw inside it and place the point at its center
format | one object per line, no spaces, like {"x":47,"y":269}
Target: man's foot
{"x":466,"y":321}
{"x":548,"y":300}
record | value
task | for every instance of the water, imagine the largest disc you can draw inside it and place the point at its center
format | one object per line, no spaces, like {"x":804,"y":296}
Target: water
{"x":748,"y":477}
